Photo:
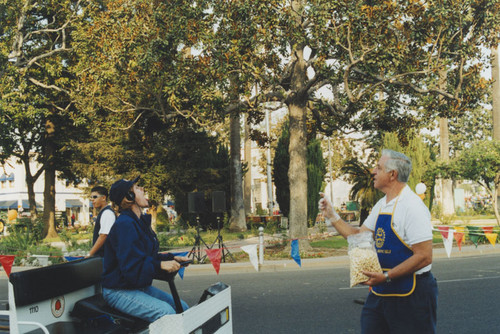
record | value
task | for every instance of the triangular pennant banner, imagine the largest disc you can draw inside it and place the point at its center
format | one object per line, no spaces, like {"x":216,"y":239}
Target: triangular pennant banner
{"x":294,"y":253}
{"x":251,"y":250}
{"x":474,"y":234}
{"x":459,"y":237}
{"x":7,"y":261}
{"x":492,"y":237}
{"x":488,"y":229}
{"x":448,"y":242}
{"x":215,"y":255}
{"x":444,"y":231}
{"x":181,"y":271}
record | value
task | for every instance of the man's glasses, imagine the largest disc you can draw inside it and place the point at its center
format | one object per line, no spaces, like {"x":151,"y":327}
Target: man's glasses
{"x":96,"y":196}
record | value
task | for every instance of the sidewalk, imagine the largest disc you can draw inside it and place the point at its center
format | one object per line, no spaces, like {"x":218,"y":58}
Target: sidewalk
{"x":316,"y":263}
{"x":289,"y":264}
{"x":326,"y":262}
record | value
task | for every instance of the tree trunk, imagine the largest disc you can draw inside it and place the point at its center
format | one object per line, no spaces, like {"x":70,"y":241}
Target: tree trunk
{"x":297,"y":172}
{"x":247,"y":182}
{"x":447,"y":203}
{"x":49,"y":192}
{"x":495,"y":75}
{"x":238,"y":220}
{"x":495,"y":198}
{"x":495,"y":205}
{"x":30,"y":184}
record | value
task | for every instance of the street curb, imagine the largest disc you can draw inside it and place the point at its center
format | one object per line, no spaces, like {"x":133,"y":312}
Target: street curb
{"x":316,"y":263}
{"x":328,"y":262}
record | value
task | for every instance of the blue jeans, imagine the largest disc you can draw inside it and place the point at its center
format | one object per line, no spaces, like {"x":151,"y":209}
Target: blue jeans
{"x":147,"y":303}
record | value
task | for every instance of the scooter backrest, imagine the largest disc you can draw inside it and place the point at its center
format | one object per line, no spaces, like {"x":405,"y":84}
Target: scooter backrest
{"x":35,"y":285}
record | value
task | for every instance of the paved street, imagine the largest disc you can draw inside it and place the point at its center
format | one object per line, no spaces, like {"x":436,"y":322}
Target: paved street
{"x":284,"y":298}
{"x":318,"y":300}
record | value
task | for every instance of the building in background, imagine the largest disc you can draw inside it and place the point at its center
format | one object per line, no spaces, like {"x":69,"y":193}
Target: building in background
{"x":14,"y":194}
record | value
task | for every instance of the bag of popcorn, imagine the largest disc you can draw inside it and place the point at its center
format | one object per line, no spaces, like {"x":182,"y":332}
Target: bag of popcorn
{"x":362,"y":256}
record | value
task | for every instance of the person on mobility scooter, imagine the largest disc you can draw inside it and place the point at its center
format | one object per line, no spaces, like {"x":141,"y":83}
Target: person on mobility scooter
{"x":132,"y":259}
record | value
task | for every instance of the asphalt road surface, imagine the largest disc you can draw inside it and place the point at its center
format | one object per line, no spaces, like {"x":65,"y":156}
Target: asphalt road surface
{"x":319,"y":300}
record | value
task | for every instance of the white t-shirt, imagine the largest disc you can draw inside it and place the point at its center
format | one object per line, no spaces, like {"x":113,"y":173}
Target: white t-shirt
{"x":107,"y":220}
{"x":411,"y":220}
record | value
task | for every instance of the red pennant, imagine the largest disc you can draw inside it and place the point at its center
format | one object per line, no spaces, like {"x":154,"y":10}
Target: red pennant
{"x":488,"y":229}
{"x":7,"y":261}
{"x":215,"y":255}
{"x":444,"y":231}
{"x":459,"y":237}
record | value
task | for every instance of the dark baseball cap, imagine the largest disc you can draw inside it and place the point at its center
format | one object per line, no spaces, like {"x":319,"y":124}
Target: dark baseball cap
{"x":120,"y":188}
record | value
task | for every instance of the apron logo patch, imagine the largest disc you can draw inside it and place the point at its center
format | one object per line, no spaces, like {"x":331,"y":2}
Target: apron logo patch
{"x":379,"y":237}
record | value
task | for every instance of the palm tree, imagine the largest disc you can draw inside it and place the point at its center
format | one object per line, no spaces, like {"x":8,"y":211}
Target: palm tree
{"x":362,"y":190}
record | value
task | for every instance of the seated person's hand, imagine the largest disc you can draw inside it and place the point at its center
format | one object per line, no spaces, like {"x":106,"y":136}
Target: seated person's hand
{"x":182,"y":259}
{"x":170,"y":266}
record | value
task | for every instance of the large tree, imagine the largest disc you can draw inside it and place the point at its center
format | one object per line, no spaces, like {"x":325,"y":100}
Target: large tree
{"x":37,"y":111}
{"x":134,"y":65}
{"x":379,"y":60}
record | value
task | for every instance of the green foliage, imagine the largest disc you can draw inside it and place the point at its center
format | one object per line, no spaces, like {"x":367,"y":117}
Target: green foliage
{"x":24,"y":239}
{"x":18,"y":241}
{"x":316,"y":171}
{"x":481,"y":163}
{"x":162,"y":221}
{"x":176,"y":241}
{"x":281,"y":164}
{"x":123,"y":78}
{"x":70,"y":239}
{"x":363,"y":189}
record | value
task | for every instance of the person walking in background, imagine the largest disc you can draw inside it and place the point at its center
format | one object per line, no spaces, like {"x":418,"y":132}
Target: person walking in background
{"x":104,"y":221}
{"x":402,"y":299}
{"x":132,"y":259}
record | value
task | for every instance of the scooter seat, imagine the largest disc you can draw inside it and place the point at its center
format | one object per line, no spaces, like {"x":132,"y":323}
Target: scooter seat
{"x":95,"y":308}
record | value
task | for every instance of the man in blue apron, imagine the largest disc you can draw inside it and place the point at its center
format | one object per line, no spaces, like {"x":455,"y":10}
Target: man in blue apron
{"x":402,"y":299}
{"x":104,"y":221}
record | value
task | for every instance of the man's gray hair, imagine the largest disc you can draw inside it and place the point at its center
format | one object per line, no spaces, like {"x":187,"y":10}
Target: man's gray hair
{"x":398,"y":162}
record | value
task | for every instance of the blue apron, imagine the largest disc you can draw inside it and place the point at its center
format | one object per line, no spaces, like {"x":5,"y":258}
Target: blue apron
{"x":392,"y":251}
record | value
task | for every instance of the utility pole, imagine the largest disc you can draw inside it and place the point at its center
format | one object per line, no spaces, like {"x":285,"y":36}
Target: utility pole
{"x":269,"y":180}
{"x":330,"y":170}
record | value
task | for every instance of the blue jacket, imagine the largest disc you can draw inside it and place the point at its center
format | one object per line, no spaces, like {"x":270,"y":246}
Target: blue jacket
{"x":131,"y":258}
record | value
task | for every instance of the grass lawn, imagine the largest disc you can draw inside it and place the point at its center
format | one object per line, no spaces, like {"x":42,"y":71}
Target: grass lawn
{"x":335,"y":242}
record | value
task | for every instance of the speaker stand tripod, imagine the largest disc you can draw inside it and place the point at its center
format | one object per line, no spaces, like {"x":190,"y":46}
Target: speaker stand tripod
{"x":196,"y":250}
{"x":219,"y":240}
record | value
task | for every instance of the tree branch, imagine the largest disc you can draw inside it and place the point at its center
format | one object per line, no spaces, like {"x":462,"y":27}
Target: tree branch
{"x":41,"y":84}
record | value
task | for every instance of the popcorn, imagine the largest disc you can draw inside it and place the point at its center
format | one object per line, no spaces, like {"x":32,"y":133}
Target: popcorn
{"x":362,"y":257}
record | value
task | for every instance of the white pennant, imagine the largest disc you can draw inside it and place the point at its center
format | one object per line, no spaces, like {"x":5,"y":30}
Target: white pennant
{"x":251,"y":250}
{"x":448,"y":242}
